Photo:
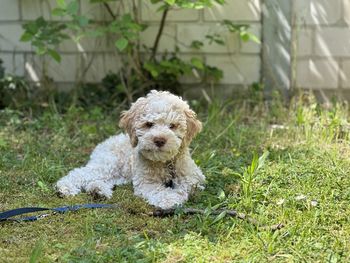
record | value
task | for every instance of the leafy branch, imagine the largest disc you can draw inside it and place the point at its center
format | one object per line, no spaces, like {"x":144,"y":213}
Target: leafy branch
{"x":139,"y":72}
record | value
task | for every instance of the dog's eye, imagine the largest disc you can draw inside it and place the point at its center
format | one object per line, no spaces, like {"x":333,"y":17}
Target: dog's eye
{"x":149,"y":124}
{"x":173,"y":126}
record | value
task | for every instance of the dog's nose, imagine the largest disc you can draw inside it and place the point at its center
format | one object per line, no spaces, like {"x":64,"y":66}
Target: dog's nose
{"x":159,"y":141}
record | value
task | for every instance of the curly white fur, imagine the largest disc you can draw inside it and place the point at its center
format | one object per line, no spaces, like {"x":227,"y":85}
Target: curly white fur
{"x":160,"y":128}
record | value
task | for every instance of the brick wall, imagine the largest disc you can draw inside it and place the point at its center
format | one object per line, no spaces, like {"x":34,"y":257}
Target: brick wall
{"x":322,"y":52}
{"x":91,"y":59}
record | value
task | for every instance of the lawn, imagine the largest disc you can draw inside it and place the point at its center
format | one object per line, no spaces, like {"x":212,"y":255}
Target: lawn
{"x":304,"y":183}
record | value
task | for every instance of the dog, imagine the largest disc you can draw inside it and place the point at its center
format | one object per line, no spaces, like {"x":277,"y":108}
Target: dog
{"x":154,"y":155}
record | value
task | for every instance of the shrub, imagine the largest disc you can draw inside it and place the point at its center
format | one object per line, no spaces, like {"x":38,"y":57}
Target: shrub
{"x":143,"y":69}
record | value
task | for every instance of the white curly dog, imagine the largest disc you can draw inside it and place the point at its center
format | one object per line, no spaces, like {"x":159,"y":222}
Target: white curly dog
{"x":154,"y":156}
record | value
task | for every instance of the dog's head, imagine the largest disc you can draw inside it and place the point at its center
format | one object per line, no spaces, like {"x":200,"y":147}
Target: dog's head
{"x":159,"y":125}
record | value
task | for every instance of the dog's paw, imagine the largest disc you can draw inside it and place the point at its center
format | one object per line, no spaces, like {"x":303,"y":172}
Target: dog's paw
{"x":169,"y":200}
{"x":63,"y":190}
{"x":99,"y":190}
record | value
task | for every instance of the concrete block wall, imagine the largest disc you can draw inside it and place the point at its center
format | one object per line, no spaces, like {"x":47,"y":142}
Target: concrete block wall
{"x":320,"y":53}
{"x":91,"y":59}
{"x":322,"y":36}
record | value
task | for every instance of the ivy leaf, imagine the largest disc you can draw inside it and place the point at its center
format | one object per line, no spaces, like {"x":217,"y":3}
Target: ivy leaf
{"x":58,"y":12}
{"x":170,"y":2}
{"x":121,"y":43}
{"x":216,"y":38}
{"x":151,"y":68}
{"x":244,"y":36}
{"x":61,"y":3}
{"x":254,"y":38}
{"x":196,"y":44}
{"x":73,"y":8}
{"x":197,"y":63}
{"x":40,"y":48}
{"x":26,"y":37}
{"x":214,"y":72}
{"x":219,"y":41}
{"x":54,"y":54}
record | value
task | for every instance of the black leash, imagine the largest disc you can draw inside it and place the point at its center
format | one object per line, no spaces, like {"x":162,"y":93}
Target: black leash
{"x":8,"y":215}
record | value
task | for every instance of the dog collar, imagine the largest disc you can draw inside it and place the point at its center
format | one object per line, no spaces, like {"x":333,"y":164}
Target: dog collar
{"x":170,"y":166}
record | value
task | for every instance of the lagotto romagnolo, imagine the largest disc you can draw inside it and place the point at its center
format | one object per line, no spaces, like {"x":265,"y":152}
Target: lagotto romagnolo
{"x":154,"y":155}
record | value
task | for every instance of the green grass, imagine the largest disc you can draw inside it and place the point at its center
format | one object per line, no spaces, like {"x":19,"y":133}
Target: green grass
{"x":304,"y":184}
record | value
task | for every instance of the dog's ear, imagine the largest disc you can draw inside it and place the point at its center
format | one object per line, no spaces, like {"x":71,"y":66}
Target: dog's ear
{"x":126,"y":122}
{"x":128,"y":118}
{"x":194,"y":126}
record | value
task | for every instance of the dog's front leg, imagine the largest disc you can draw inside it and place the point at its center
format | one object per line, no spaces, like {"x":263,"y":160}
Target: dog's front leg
{"x":73,"y":183}
{"x":101,"y":186}
{"x":92,"y":179}
{"x":160,"y":196}
{"x":99,"y":176}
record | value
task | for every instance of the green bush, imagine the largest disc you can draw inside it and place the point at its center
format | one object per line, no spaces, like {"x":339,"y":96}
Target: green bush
{"x":143,"y":69}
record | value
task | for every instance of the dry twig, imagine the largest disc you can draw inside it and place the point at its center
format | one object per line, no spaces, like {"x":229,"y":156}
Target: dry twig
{"x":231,"y":213}
{"x":159,"y":34}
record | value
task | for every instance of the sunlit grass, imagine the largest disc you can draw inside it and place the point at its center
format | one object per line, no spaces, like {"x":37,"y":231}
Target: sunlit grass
{"x":303,"y":183}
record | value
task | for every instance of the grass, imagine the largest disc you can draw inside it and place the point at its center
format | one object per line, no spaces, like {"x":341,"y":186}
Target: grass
{"x":303,"y":182}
